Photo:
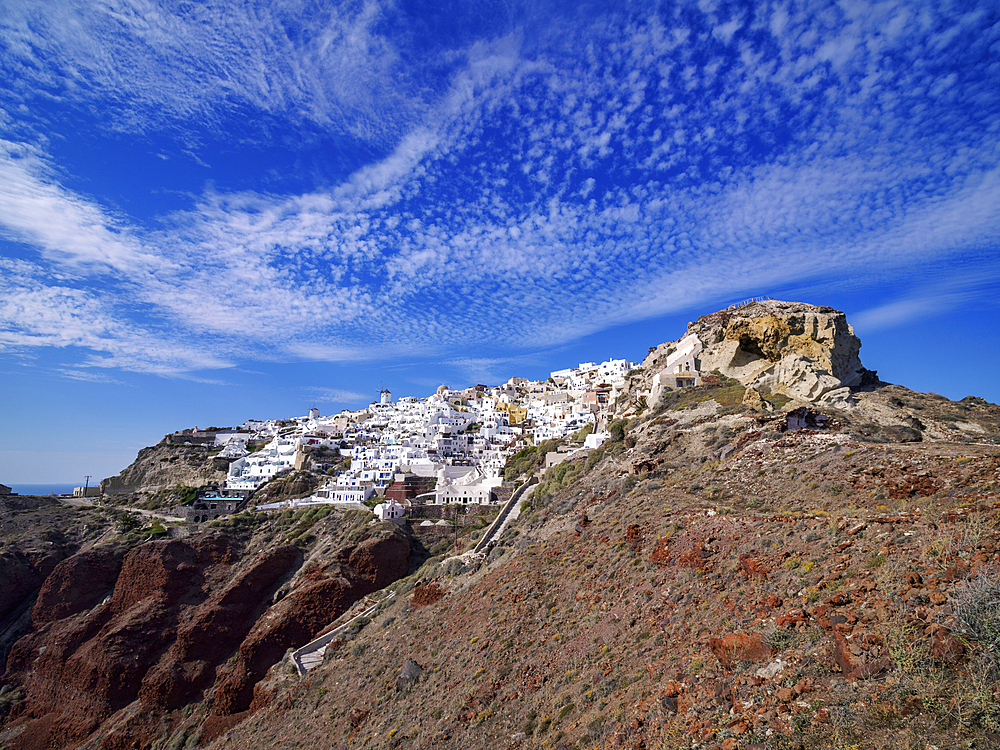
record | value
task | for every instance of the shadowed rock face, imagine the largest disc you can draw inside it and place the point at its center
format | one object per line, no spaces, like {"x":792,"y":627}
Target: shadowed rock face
{"x":804,"y":351}
{"x":21,"y":574}
{"x":323,"y":593}
{"x":214,"y":629}
{"x":79,"y":670}
{"x":77,"y":584}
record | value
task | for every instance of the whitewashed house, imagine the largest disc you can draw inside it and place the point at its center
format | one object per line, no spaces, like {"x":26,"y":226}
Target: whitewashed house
{"x":390,"y":510}
{"x":680,"y":369}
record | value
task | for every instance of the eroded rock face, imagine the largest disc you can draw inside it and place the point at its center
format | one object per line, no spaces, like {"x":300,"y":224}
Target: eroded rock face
{"x":320,"y":595}
{"x":164,"y":466}
{"x":79,"y":670}
{"x":213,"y":630}
{"x":21,"y":573}
{"x":177,"y":609}
{"x":77,"y":584}
{"x":119,"y":642}
{"x":804,"y":351}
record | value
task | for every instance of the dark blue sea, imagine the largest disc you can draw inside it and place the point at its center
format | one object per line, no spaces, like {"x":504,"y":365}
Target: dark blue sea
{"x":43,"y":489}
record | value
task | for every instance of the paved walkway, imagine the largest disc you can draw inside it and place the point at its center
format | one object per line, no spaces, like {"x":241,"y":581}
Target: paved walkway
{"x":311,"y":655}
{"x":510,"y":512}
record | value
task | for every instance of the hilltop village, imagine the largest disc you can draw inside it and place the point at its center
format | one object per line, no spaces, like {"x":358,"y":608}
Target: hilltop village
{"x":449,"y":448}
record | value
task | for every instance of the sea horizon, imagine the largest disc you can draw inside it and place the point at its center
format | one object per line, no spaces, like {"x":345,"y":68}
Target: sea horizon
{"x":51,"y":488}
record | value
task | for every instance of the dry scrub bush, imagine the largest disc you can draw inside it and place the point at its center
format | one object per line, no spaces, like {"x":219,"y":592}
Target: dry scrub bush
{"x":977,"y":607}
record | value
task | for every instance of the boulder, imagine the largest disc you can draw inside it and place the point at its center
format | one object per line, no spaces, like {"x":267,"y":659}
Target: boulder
{"x":739,"y":647}
{"x":409,"y":675}
{"x":753,"y":399}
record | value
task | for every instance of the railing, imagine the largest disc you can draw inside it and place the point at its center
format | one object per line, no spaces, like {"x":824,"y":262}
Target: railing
{"x":320,"y":644}
{"x":750,"y":301}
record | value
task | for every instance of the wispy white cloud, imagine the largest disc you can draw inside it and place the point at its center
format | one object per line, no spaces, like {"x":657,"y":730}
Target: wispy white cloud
{"x":563,"y":178}
{"x":973,"y":288}
{"x":38,"y":311}
{"x":156,"y":66}
{"x":491,"y":369}
{"x":322,"y":395}
{"x":88,"y":376}
{"x":68,"y":228}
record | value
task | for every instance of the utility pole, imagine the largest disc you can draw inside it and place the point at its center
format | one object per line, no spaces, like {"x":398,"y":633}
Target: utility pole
{"x":86,"y":484}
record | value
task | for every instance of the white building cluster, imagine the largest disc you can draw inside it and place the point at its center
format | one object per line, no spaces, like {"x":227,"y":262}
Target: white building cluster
{"x":462,"y":438}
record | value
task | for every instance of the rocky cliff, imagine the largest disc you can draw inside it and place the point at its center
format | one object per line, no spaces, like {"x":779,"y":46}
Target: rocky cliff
{"x":165,"y":466}
{"x":806,"y":352}
{"x":36,"y":533}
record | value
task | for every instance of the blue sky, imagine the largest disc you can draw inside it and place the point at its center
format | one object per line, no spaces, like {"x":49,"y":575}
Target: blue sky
{"x":217,"y":211}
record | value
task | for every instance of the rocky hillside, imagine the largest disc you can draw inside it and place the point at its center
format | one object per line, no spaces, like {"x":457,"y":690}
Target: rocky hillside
{"x":751,"y":563}
{"x":165,"y":466}
{"x":812,"y":589}
{"x":36,"y":533}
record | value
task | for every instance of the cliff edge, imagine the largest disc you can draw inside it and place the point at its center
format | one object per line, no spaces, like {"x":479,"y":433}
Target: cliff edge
{"x":165,"y":466}
{"x":806,"y":352}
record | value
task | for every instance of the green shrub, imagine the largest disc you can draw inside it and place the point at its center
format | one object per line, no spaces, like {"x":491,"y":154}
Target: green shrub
{"x":617,"y":431}
{"x":127,"y":522}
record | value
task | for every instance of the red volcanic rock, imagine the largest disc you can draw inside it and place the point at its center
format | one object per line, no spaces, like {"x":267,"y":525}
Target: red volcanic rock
{"x":77,"y":584}
{"x":379,"y":561}
{"x":871,"y":670}
{"x":165,"y":570}
{"x":661,"y":552}
{"x":946,"y":648}
{"x":737,"y":647}
{"x":842,"y":655}
{"x":634,"y":537}
{"x":321,"y":595}
{"x":751,"y":567}
{"x":956,"y":572}
{"x":427,"y":594}
{"x":214,"y":631}
{"x":20,"y":575}
{"x":852,"y":671}
{"x":78,"y":671}
{"x":175,"y":614}
{"x":791,"y":618}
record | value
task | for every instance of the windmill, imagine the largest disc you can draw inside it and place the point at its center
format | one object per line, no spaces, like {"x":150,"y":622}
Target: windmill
{"x":384,"y":394}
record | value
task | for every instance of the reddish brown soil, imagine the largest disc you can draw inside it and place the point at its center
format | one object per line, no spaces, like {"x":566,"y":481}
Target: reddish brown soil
{"x":427,"y":594}
{"x":775,"y":609}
